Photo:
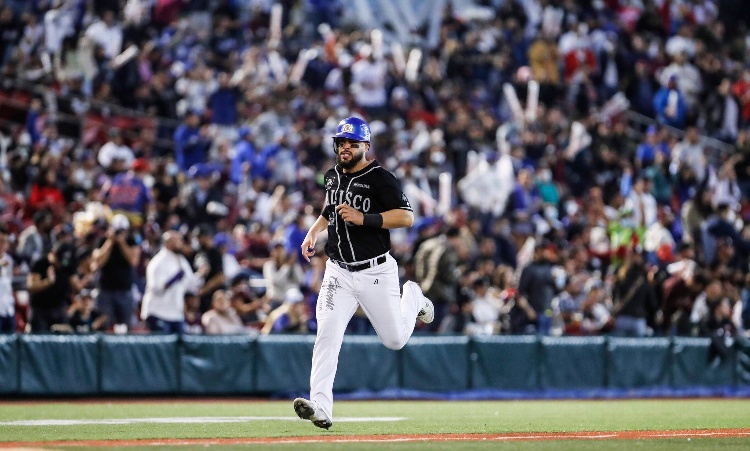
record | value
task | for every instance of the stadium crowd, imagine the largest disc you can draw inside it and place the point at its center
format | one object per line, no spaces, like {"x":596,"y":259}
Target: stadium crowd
{"x":166,"y":142}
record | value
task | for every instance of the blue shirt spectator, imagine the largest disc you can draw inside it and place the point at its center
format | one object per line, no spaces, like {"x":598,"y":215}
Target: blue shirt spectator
{"x":190,"y":145}
{"x":646,"y":152}
{"x":670,"y":105}
{"x":223,"y":102}
{"x":244,"y":153}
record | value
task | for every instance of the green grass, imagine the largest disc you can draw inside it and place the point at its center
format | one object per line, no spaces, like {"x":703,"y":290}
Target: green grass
{"x":423,"y":417}
{"x":723,"y":444}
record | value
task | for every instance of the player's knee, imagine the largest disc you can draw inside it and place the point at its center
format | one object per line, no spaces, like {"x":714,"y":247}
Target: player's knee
{"x":393,"y":343}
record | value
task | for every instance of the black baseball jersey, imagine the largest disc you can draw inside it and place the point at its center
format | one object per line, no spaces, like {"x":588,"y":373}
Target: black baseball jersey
{"x":370,"y":190}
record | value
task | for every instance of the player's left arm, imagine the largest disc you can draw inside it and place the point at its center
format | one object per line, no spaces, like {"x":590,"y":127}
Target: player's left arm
{"x":391,"y":219}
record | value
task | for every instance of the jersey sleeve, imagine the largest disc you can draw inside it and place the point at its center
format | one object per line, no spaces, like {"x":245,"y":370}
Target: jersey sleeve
{"x":390,"y":193}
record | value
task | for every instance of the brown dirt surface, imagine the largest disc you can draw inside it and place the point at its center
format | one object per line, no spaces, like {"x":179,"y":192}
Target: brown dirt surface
{"x":330,"y":438}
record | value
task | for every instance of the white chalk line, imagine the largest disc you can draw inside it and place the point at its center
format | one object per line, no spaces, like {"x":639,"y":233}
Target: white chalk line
{"x":183,"y":420}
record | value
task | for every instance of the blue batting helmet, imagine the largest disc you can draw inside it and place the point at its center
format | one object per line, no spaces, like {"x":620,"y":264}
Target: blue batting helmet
{"x":353,"y":128}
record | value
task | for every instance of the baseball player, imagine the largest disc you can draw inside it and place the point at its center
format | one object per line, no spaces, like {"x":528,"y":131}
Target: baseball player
{"x":363,"y":201}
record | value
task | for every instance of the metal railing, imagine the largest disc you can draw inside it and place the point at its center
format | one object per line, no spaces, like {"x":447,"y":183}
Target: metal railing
{"x":714,"y":148}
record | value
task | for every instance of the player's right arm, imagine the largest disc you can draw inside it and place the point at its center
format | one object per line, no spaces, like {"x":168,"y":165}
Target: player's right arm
{"x":308,"y":245}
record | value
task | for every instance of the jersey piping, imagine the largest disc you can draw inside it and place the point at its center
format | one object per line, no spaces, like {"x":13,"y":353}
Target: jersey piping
{"x":346,"y":227}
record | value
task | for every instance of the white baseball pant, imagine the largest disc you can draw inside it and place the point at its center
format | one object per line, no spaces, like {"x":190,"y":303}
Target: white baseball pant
{"x":377,"y":291}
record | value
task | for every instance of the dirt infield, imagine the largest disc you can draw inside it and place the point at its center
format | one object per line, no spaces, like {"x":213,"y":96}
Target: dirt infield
{"x":329,"y":438}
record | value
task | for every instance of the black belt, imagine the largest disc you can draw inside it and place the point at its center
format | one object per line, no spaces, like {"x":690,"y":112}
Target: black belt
{"x":360,"y":266}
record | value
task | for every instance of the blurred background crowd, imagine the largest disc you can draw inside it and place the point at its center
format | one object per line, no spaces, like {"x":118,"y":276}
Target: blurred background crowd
{"x":576,"y":167}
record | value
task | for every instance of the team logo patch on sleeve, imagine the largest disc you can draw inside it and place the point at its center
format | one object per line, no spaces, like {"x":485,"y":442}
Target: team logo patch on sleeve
{"x":405,"y":200}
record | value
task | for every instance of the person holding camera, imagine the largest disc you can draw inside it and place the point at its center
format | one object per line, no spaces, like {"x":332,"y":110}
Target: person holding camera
{"x":116,"y":257}
{"x":168,"y":277}
{"x":51,"y":281}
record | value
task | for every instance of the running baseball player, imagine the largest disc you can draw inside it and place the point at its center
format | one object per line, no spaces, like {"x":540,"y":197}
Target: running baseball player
{"x":363,"y":201}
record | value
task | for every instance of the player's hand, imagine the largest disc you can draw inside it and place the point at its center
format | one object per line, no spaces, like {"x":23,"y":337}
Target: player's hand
{"x":350,"y":214}
{"x":308,"y":247}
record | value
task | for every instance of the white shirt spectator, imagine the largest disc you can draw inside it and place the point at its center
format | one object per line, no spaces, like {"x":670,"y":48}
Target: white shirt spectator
{"x":691,"y":154}
{"x":679,"y":44}
{"x":58,"y":24}
{"x":689,"y":81}
{"x":486,"y":311}
{"x":109,"y":37}
{"x":368,"y":83}
{"x":111,"y":151}
{"x":488,"y":187}
{"x":644,"y":208}
{"x":196,"y":90}
{"x":281,"y":278}
{"x":137,"y":12}
{"x":160,"y":301}
{"x":657,"y":235}
{"x":222,"y":323}
{"x":7,"y":301}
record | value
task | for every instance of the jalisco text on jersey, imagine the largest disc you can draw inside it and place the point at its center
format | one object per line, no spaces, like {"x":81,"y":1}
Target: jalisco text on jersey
{"x":357,"y":201}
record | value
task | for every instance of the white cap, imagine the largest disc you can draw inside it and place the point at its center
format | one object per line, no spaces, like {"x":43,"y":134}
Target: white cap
{"x":120,"y":222}
{"x":293,"y":296}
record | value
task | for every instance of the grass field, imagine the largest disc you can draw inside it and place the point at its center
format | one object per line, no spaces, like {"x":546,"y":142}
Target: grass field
{"x":408,"y":425}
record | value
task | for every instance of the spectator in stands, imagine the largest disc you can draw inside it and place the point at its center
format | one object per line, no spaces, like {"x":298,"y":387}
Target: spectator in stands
{"x":202,"y":201}
{"x":369,"y":78}
{"x":165,"y":190}
{"x":690,"y":153}
{"x":437,"y":272}
{"x":51,"y":282}
{"x":722,"y":225}
{"x":115,"y":156}
{"x":244,"y":154}
{"x":525,"y":202}
{"x":721,"y":112}
{"x":35,"y":241}
{"x":538,"y":284}
{"x":191,"y":142}
{"x":282,"y":271}
{"x":7,"y":293}
{"x":290,"y":317}
{"x":126,"y":193}
{"x":208,"y":259}
{"x":193,"y":314}
{"x":168,"y":277}
{"x":485,"y":309}
{"x":223,"y":101}
{"x":670,"y":105}
{"x":83,"y":316}
{"x":46,"y":193}
{"x":221,"y":318}
{"x":115,"y":258}
{"x":643,"y":203}
{"x":633,"y":297}
{"x":646,"y":152}
{"x":107,"y":34}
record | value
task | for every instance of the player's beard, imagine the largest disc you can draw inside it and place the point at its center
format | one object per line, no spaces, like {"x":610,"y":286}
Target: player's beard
{"x":353,"y":161}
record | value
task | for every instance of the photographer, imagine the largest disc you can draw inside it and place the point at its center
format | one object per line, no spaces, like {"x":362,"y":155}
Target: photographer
{"x":116,"y":257}
{"x":51,"y":282}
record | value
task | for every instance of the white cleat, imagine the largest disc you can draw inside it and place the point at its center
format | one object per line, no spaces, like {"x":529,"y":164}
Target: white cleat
{"x":427,"y":314}
{"x":307,"y":410}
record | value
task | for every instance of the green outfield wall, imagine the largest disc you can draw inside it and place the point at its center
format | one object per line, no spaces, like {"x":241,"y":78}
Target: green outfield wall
{"x":59,"y":365}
